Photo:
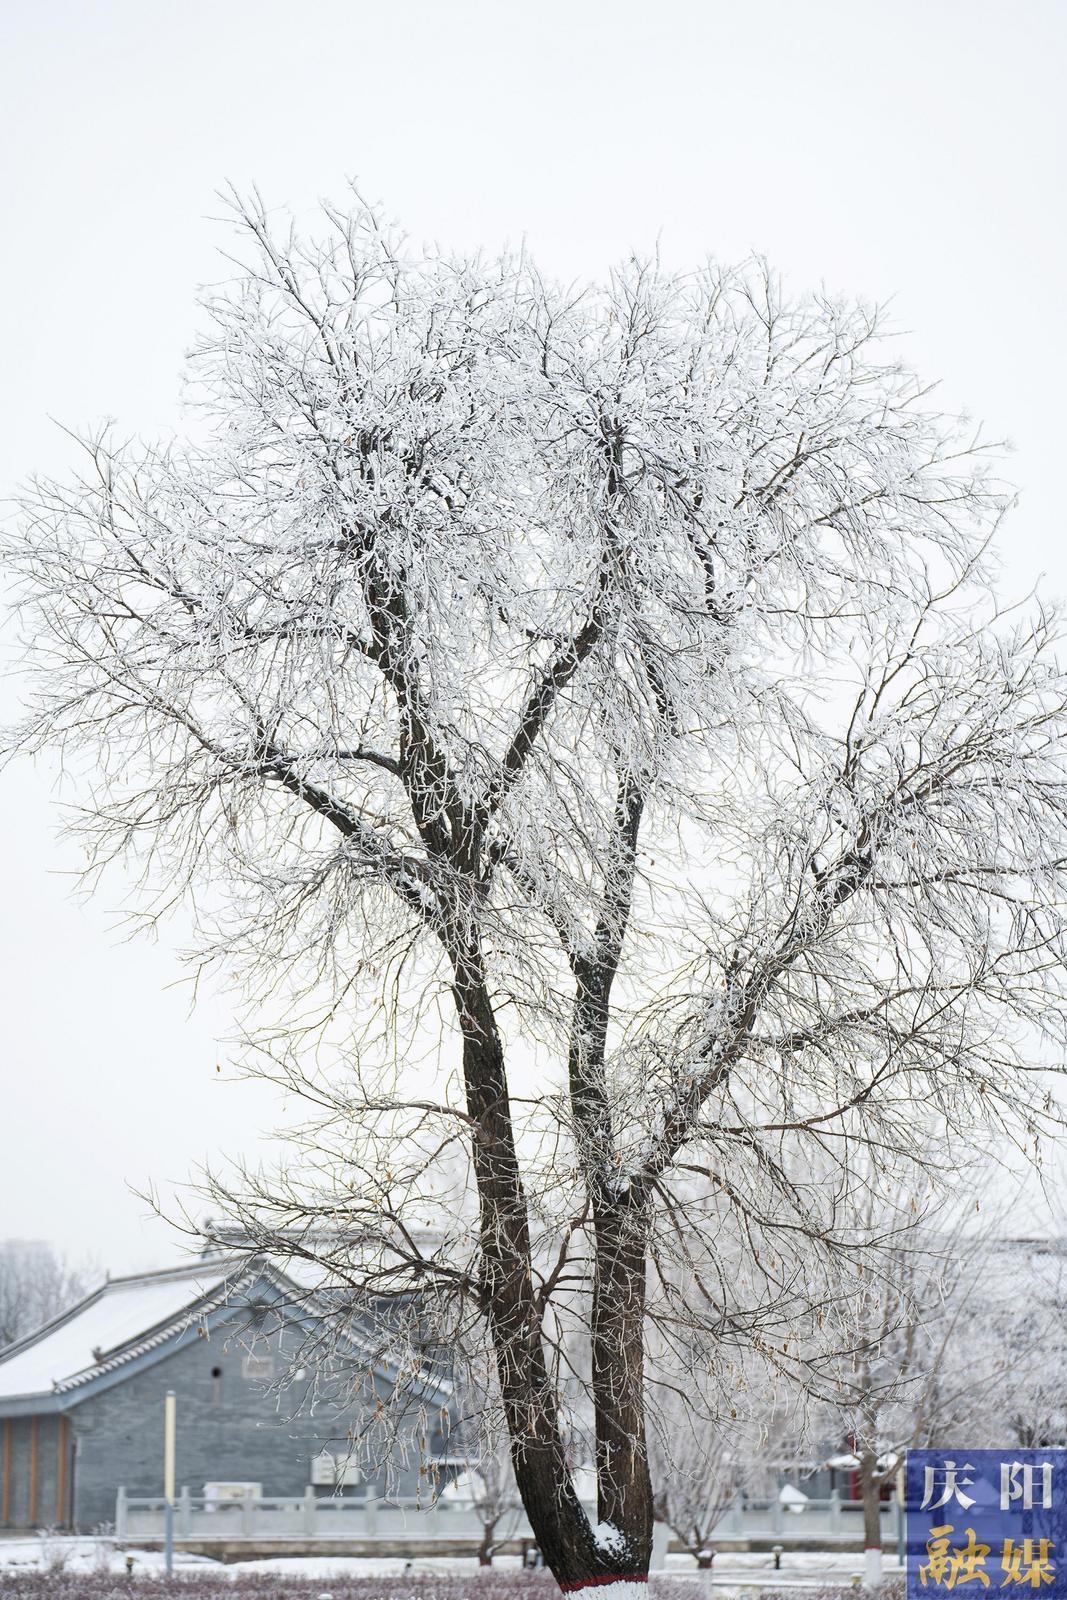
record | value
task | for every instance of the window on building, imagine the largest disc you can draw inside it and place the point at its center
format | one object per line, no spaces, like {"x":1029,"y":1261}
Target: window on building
{"x":259,"y":1367}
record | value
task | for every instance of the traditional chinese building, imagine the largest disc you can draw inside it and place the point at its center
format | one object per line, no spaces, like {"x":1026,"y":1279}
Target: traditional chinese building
{"x":81,"y":1400}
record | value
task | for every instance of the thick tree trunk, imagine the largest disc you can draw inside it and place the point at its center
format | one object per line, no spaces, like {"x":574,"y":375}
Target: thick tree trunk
{"x":624,"y":1489}
{"x":870,"y":1491}
{"x":556,"y":1515}
{"x":485,"y":1549}
{"x":618,"y":1550}
{"x":620,"y":1224}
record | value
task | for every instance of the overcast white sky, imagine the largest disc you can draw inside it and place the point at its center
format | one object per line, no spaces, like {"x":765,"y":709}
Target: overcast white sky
{"x":907,"y":148}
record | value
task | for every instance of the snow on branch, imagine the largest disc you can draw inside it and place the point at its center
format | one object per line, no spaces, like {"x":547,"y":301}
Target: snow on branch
{"x":583,"y":723}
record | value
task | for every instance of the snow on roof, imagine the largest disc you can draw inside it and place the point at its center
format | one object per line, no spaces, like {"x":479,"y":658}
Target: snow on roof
{"x":113,"y":1323}
{"x":127,"y":1316}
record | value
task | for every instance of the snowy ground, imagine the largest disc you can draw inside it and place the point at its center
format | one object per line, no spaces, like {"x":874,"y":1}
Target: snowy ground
{"x":733,"y":1571}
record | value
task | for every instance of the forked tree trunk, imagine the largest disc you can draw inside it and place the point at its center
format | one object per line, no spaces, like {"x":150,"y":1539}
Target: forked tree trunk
{"x":579,"y":1555}
{"x":538,"y":1454}
{"x":617,"y":1551}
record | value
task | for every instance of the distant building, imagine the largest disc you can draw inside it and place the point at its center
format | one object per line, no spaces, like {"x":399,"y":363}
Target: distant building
{"x":81,"y":1399}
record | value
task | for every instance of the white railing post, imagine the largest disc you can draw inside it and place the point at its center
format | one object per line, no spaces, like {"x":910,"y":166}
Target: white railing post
{"x":835,"y":1511}
{"x":120,"y":1514}
{"x":185,"y":1513}
{"x":308,"y":1509}
{"x":248,"y":1506}
{"x":370,"y":1511}
{"x":902,"y":1551}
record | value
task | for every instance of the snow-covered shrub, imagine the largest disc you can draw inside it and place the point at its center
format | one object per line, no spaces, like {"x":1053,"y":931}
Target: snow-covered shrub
{"x":55,"y":1550}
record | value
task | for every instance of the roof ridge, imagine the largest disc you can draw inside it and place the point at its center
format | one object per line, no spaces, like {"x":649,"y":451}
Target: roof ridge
{"x":223,"y":1282}
{"x":182,"y":1270}
{"x":204,"y":1301}
{"x":150,"y":1337}
{"x":162,"y":1275}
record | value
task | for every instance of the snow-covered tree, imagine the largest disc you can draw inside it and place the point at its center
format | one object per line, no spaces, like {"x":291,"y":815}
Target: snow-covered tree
{"x":479,"y":1439}
{"x":603,"y":682}
{"x":927,"y":1362}
{"x":1016,"y":1327}
{"x":701,"y":1463}
{"x":36,"y":1285}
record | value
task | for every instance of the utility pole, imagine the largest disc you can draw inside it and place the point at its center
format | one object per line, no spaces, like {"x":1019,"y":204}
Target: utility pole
{"x":170,"y":1420}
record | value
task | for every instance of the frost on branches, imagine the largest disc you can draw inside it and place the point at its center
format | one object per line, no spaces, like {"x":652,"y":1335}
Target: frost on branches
{"x":608,"y":684}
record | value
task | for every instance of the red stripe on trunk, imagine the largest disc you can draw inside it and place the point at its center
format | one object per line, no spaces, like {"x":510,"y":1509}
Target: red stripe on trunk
{"x":610,"y":1577}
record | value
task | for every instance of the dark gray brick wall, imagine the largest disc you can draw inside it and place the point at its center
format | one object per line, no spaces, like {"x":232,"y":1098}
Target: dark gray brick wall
{"x":230,"y":1428}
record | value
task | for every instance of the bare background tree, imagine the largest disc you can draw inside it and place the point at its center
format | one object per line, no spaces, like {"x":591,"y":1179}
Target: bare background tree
{"x":1011,"y":1335}
{"x":480,"y":1440}
{"x":35,"y":1285}
{"x":930,"y":1360}
{"x":958,"y":1328}
{"x":582,"y":724}
{"x":701,"y":1464}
